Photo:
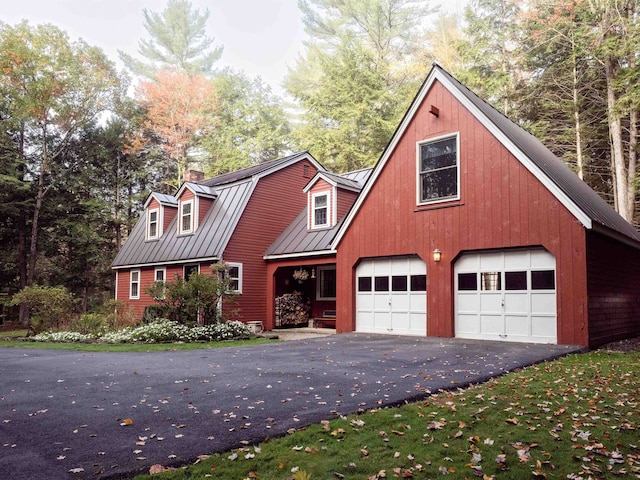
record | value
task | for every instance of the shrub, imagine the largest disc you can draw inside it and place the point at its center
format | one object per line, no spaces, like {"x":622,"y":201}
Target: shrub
{"x":92,"y":324}
{"x":67,"y":337}
{"x":48,"y":306}
{"x":195,"y":300}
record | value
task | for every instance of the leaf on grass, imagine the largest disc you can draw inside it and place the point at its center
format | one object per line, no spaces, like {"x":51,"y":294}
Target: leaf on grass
{"x":157,"y":468}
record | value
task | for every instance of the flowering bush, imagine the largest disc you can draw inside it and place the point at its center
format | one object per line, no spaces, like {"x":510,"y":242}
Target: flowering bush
{"x":61,"y":337}
{"x":160,"y":331}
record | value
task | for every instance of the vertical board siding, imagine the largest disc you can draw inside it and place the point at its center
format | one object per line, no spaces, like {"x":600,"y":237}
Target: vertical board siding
{"x":274,"y":204}
{"x":502,"y":205}
{"x":344,"y":200}
{"x":614,"y":290}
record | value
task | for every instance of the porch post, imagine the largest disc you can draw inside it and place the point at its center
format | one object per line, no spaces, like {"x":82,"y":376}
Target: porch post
{"x":270,"y":314}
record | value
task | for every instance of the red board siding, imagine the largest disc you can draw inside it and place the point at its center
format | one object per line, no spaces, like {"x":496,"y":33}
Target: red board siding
{"x":614,"y":290}
{"x":501,"y":205}
{"x":275,"y":202}
{"x":345,"y":199}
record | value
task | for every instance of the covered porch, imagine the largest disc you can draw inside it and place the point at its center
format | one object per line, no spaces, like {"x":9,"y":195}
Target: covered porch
{"x":301,"y":293}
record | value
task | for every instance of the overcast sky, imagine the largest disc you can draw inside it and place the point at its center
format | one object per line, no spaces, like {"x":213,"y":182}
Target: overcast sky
{"x":261,"y":37}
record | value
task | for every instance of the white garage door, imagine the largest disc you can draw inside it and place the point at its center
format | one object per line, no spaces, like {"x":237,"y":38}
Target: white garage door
{"x":391,"y":296}
{"x":508,"y":295}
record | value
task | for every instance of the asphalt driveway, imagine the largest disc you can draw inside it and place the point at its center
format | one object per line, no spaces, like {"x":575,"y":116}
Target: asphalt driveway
{"x":66,"y":414}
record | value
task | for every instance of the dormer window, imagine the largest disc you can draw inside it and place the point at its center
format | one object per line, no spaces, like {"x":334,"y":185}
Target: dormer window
{"x":186,"y":217}
{"x":320,"y":210}
{"x":153,"y":224}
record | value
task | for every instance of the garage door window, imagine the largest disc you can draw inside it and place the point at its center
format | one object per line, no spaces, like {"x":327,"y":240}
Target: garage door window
{"x":543,"y":280}
{"x":515,"y":280}
{"x":399,"y":283}
{"x":364,"y":284}
{"x":418,"y":283}
{"x":467,"y":281}
{"x":382,"y":284}
{"x":491,"y":281}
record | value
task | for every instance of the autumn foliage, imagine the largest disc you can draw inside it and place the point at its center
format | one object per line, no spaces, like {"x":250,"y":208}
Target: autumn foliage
{"x":176,"y":108}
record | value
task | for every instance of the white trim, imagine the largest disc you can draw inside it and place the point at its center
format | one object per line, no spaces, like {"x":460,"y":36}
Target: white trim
{"x":314,"y":196}
{"x":193,"y":222}
{"x":115,"y":297}
{"x":284,"y":256}
{"x":239,"y":278}
{"x":173,"y":262}
{"x":427,"y":141}
{"x":131,"y":282}
{"x":320,"y":269}
{"x":434,"y":75}
{"x":322,"y":175}
{"x":158,"y":223}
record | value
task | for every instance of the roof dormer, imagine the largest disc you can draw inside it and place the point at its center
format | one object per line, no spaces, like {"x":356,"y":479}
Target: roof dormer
{"x":194,"y":201}
{"x":159,"y":210}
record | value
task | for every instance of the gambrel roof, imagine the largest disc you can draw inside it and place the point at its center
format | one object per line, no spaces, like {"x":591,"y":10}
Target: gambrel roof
{"x":231,"y":192}
{"x":583,"y":202}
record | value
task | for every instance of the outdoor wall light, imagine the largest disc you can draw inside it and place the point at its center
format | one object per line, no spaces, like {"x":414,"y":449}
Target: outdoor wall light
{"x":313,"y":273}
{"x":437,"y":255}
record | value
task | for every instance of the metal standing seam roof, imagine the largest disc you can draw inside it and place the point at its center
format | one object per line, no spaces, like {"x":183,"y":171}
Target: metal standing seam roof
{"x":232,"y":193}
{"x":298,"y":239}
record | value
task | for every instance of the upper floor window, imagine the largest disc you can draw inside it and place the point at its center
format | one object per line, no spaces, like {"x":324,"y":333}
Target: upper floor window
{"x":320,"y":210}
{"x":438,"y":176}
{"x":134,"y":284}
{"x":186,"y":216}
{"x":153,"y":224}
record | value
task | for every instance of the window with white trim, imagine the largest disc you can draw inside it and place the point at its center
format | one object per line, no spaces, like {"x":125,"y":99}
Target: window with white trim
{"x":160,"y":276}
{"x":153,"y":224}
{"x":326,"y":283}
{"x":438,"y":175}
{"x":134,"y":284}
{"x":320,"y":215}
{"x":234,"y":273}
{"x":187,"y":215}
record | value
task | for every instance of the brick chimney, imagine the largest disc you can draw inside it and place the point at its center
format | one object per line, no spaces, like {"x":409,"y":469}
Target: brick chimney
{"x":191,"y":175}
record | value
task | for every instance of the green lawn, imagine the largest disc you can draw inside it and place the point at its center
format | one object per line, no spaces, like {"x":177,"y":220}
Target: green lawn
{"x":577,"y":417}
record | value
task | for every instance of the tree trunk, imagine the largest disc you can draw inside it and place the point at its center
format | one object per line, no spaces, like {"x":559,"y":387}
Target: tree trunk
{"x":625,"y":208}
{"x":576,"y":116}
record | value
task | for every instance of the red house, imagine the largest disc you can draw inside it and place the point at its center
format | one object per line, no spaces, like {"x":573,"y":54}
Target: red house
{"x":469,"y":227}
{"x":232,"y":218}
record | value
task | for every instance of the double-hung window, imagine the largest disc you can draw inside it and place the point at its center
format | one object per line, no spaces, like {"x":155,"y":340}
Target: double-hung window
{"x":186,"y":216}
{"x":134,"y":284}
{"x":438,"y":170}
{"x":153,"y":230}
{"x":160,"y":277}
{"x":234,"y":274}
{"x":326,"y":283}
{"x":320,"y":210}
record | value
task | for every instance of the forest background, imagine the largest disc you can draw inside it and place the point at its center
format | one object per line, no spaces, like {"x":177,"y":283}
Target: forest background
{"x":83,"y":143}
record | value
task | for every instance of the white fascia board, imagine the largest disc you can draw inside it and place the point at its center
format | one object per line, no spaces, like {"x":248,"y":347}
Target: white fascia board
{"x":434,"y":75}
{"x":172,"y":262}
{"x":285,"y":256}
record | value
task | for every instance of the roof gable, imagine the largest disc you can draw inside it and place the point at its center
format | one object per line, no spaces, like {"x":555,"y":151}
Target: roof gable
{"x":584,"y":203}
{"x":162,"y":198}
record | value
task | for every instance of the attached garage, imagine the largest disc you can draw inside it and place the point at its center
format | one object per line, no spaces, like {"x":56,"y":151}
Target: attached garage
{"x":506,"y":295}
{"x":391,"y":296}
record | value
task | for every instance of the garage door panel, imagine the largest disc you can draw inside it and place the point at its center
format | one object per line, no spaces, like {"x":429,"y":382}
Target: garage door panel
{"x":467,"y":324}
{"x":491,"y":324}
{"x":543,"y":303}
{"x":468,"y":303}
{"x":518,"y":325}
{"x":516,"y":303}
{"x":491,"y":303}
{"x":541,"y":325}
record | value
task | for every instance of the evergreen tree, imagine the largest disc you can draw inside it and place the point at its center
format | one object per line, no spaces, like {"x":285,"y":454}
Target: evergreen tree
{"x":177,"y":42}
